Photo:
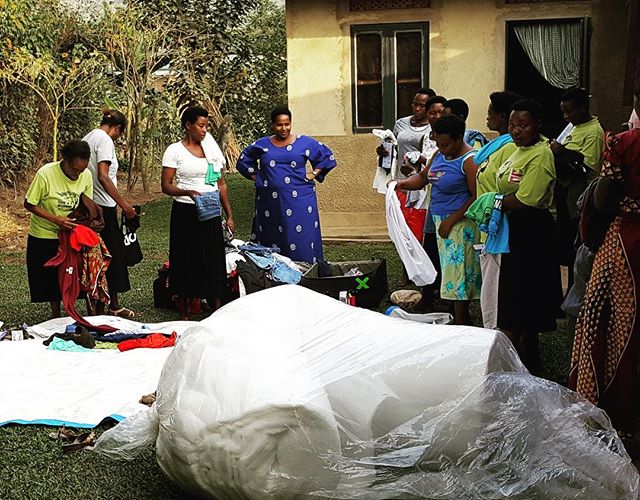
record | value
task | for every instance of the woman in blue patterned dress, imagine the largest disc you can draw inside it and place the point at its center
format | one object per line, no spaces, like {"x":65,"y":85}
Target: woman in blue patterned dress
{"x":286,"y":214}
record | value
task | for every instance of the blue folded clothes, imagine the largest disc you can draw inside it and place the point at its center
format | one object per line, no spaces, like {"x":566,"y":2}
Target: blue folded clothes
{"x":497,"y":233}
{"x":487,"y":212}
{"x":278,"y":269}
{"x":258,"y":249}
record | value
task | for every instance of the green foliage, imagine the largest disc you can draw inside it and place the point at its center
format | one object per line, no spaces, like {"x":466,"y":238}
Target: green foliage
{"x":18,"y":133}
{"x":47,"y":69}
{"x":57,"y":67}
{"x":262,"y":81}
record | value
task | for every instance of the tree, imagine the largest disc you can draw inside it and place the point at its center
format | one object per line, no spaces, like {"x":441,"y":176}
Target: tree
{"x":43,"y":50}
{"x":137,"y":46}
{"x":59,"y":88}
{"x":209,"y":58}
{"x":263,"y":76}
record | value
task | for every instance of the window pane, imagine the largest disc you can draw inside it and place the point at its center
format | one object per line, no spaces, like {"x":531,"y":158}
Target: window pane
{"x":408,"y":69}
{"x":369,"y":79}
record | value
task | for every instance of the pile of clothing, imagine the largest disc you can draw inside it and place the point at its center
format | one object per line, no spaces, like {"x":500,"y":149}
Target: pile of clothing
{"x":17,"y":333}
{"x":259,"y":267}
{"x":77,"y":338}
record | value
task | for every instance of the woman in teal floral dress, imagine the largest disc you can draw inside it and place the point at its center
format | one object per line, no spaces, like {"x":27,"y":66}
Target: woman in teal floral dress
{"x":452,"y":175}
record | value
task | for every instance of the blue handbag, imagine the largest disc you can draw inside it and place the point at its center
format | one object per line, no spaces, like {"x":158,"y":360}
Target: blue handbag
{"x":208,"y":205}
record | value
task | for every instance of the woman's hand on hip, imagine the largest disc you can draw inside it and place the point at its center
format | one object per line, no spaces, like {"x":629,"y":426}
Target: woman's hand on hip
{"x":192,"y":193}
{"x":445,"y":227}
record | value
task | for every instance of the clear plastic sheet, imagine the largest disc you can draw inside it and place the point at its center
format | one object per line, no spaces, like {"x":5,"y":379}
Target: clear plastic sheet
{"x":290,"y":394}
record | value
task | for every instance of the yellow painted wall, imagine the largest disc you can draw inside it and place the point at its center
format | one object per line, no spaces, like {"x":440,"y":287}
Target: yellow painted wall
{"x":466,"y":59}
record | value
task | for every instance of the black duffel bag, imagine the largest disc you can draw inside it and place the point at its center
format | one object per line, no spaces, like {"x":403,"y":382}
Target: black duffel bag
{"x":369,"y":287}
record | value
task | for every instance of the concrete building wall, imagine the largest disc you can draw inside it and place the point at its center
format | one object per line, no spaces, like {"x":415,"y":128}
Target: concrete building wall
{"x":608,"y":50}
{"x":466,"y":58}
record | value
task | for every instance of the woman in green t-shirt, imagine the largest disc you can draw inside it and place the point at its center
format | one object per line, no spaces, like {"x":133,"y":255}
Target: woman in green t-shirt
{"x":53,"y":194}
{"x":489,"y":159}
{"x":529,"y":290}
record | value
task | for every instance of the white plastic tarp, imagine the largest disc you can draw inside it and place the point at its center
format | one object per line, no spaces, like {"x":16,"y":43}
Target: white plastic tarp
{"x":290,"y":394}
{"x":48,"y":387}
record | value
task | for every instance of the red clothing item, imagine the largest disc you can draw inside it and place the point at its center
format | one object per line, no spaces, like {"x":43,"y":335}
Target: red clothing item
{"x":153,"y":341}
{"x":82,"y":236}
{"x":415,"y":217}
{"x":69,"y":261}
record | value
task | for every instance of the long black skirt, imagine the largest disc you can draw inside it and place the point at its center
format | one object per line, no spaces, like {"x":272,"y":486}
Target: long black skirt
{"x":117,"y":273}
{"x":197,"y":267}
{"x":530,"y":289}
{"x":43,"y":281}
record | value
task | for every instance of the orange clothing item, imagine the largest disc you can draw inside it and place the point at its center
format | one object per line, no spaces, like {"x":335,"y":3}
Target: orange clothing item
{"x":153,"y":341}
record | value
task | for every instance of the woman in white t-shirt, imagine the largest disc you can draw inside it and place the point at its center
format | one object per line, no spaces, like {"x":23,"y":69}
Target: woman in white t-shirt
{"x":103,"y":166}
{"x":197,"y":266}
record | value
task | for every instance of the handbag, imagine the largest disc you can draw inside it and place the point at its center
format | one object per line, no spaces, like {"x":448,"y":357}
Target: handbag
{"x":208,"y":205}
{"x":132,"y":249}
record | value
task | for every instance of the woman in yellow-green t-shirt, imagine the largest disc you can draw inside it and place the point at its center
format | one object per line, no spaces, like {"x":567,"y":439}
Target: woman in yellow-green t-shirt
{"x":53,"y":194}
{"x":489,"y":159}
{"x":529,"y":292}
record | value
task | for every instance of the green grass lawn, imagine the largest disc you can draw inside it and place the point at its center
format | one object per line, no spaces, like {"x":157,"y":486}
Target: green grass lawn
{"x":33,"y":467}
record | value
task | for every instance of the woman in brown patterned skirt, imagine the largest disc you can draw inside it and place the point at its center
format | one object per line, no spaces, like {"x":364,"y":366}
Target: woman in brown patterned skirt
{"x":606,"y":349}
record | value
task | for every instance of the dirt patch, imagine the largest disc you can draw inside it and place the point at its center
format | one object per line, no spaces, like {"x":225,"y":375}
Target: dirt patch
{"x":14,"y":219}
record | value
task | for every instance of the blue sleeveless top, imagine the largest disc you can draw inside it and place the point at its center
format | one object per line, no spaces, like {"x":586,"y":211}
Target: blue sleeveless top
{"x":449,"y":190}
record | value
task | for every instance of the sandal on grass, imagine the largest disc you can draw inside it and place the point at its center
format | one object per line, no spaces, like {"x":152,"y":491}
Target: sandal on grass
{"x":123,"y":312}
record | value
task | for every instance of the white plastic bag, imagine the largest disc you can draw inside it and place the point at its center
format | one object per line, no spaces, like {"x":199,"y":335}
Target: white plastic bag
{"x":416,"y":261}
{"x":383,"y":176}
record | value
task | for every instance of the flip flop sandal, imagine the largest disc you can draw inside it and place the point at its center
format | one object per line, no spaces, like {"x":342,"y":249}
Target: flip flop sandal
{"x":63,"y":434}
{"x":83,"y":441}
{"x":123,"y":312}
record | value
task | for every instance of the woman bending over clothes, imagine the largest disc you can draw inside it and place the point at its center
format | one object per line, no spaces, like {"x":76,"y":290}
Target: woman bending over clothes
{"x":53,"y":194}
{"x":529,"y":289}
{"x":452,"y":175}
{"x":286,"y":207}
{"x":192,"y":172}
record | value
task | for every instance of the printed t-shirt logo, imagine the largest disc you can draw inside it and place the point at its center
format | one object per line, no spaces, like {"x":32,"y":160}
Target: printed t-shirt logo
{"x":434,"y":176}
{"x":67,"y":200}
{"x":515,"y":176}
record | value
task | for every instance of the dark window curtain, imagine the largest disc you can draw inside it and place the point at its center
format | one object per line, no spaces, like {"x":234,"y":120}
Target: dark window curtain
{"x":369,"y":79}
{"x":555,"y":50}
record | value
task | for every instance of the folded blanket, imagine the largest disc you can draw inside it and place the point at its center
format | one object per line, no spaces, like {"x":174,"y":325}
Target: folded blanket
{"x":243,"y":418}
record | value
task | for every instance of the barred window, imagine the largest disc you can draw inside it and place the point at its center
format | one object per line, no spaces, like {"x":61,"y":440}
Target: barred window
{"x":360,"y":5}
{"x":538,"y":1}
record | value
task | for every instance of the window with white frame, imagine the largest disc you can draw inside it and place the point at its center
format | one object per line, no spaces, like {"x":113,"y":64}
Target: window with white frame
{"x":390,"y":63}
